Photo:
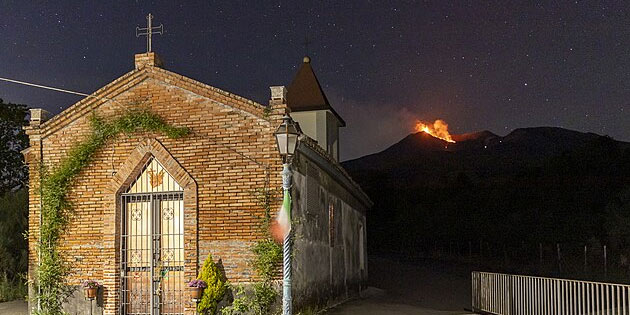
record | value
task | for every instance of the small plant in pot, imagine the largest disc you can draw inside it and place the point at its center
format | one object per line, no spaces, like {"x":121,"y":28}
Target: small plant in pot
{"x":196,"y":288}
{"x":91,"y":288}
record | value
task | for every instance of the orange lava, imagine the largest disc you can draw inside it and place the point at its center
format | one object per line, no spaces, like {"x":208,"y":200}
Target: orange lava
{"x":439,"y":129}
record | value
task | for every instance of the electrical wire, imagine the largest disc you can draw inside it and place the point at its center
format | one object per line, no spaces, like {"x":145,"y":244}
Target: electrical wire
{"x":265,"y":166}
{"x":60,"y":90}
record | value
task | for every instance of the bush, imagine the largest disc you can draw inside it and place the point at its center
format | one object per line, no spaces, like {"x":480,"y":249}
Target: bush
{"x":12,"y":290}
{"x":215,"y":291}
{"x":13,"y":245}
{"x":257,"y":299}
{"x":268,"y":255}
{"x":264,"y":296}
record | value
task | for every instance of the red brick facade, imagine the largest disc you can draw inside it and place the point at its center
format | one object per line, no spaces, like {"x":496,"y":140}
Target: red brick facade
{"x":229,"y":154}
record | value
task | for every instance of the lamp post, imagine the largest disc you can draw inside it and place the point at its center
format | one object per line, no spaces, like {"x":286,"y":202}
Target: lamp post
{"x":286,"y":139}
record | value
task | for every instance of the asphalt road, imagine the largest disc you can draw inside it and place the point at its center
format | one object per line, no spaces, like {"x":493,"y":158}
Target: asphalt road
{"x":421,"y":287}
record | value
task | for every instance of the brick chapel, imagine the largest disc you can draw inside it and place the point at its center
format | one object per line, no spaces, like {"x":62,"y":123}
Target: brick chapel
{"x":147,"y":202}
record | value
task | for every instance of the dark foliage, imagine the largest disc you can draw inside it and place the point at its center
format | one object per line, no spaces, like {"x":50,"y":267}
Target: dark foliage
{"x":13,"y":245}
{"x":535,"y":185}
{"x":13,"y":201}
{"x":13,"y":172}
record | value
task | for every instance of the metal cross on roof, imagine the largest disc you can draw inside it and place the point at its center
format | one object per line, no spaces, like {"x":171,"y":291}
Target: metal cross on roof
{"x":149,"y":30}
{"x":306,"y":43}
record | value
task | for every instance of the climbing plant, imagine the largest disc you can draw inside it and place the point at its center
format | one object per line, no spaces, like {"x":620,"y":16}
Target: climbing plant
{"x":56,"y":209}
{"x":267,"y":256}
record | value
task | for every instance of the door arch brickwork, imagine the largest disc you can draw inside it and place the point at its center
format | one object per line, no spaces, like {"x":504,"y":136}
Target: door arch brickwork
{"x":127,"y":173}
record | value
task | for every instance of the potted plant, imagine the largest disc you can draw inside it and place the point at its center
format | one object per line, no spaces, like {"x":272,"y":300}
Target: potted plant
{"x":91,"y":288}
{"x":196,"y":288}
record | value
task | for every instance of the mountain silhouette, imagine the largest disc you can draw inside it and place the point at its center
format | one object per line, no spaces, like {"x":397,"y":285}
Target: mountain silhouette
{"x":535,"y":184}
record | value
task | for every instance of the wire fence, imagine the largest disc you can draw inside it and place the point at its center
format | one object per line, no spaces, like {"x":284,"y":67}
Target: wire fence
{"x":592,"y":261}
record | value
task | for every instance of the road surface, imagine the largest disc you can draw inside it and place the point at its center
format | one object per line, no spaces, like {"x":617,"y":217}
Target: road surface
{"x":420,"y":288}
{"x":396,"y":288}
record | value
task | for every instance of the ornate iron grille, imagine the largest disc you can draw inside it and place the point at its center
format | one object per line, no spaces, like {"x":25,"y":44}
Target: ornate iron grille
{"x":152,"y":244}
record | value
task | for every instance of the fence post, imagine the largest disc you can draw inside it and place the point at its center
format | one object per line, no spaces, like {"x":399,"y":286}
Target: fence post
{"x":511,"y":309}
{"x":540,"y":253}
{"x":559,"y":263}
{"x":505,"y":263}
{"x":480,"y":251}
{"x":605,"y":264}
{"x":584,"y":259}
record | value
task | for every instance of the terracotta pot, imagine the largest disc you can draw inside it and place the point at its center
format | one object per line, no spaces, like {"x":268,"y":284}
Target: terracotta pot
{"x":91,"y":292}
{"x":195,"y":293}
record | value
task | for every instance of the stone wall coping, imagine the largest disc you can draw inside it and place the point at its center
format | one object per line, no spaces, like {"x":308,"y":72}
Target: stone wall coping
{"x":334,"y":166}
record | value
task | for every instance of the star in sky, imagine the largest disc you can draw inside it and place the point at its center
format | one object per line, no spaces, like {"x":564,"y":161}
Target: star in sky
{"x":476,"y":65}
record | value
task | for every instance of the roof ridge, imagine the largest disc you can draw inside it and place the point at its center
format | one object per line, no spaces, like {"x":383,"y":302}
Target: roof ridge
{"x":136,"y":76}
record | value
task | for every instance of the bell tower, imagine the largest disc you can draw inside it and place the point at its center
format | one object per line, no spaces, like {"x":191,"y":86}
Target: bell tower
{"x":310,"y":108}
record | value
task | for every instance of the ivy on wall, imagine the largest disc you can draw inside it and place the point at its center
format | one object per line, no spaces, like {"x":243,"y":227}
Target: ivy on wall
{"x":56,"y":209}
{"x":267,"y":257}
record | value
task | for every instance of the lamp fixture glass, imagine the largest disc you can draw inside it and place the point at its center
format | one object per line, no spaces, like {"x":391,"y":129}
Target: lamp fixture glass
{"x":287,"y":137}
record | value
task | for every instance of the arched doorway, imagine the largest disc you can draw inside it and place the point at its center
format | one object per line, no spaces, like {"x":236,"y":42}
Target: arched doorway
{"x":152,"y":243}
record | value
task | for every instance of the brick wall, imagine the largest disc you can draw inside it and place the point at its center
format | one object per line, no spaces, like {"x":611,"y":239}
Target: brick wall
{"x":230,"y":153}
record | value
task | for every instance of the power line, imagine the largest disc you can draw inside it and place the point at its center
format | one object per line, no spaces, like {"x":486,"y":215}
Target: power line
{"x":265,"y":166}
{"x":44,"y":87}
{"x":59,"y":90}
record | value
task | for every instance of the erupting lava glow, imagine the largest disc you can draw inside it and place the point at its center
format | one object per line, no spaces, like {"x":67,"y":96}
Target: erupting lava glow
{"x":438,"y":129}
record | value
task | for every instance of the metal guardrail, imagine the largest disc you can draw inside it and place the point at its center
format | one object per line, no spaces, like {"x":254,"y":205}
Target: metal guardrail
{"x":504,"y":294}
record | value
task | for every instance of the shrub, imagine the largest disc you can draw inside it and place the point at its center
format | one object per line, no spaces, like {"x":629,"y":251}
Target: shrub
{"x":13,"y":245}
{"x":268,"y":255}
{"x":264,"y":297}
{"x":215,"y":291}
{"x":12,"y":289}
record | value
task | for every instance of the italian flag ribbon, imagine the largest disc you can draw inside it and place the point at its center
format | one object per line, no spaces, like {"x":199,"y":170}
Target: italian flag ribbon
{"x":281,"y":227}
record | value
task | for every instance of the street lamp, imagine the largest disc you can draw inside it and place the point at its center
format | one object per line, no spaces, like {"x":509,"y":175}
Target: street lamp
{"x":286,"y":138}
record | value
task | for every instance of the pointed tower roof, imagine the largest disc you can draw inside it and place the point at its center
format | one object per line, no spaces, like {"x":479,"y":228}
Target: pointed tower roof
{"x":306,"y":94}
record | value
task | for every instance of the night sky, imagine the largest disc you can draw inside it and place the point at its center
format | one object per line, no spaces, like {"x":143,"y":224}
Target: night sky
{"x":496,"y":65}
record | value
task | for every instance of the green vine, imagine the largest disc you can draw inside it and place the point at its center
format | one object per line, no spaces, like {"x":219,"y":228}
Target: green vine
{"x":56,"y":209}
{"x":266,"y":111}
{"x":267,"y":256}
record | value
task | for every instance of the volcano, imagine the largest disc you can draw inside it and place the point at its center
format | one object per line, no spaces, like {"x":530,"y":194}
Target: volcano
{"x":542,"y":182}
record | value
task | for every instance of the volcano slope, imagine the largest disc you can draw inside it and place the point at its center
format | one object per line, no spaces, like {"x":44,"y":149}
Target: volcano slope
{"x":533,"y":185}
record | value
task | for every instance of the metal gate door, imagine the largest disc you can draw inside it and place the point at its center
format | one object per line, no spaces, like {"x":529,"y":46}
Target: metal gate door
{"x":152,"y":245}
